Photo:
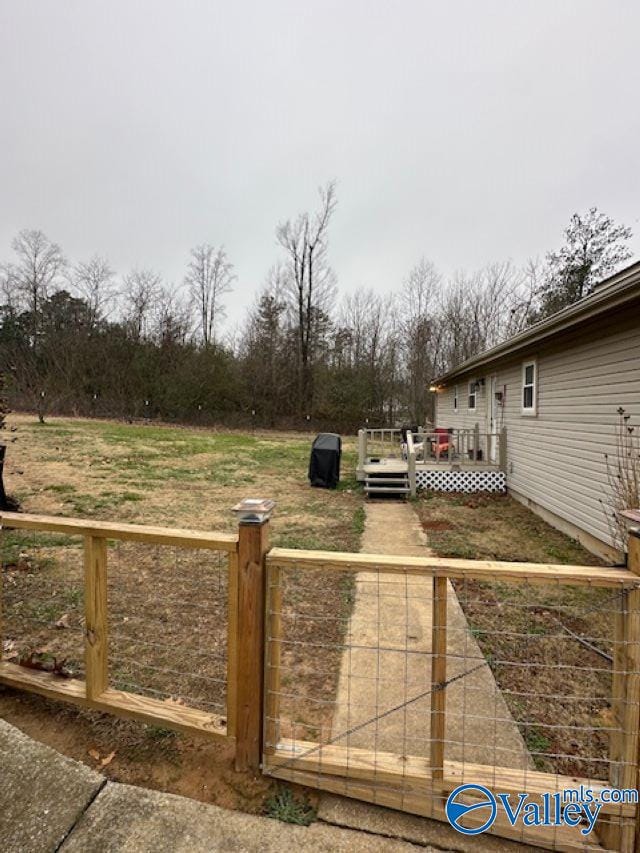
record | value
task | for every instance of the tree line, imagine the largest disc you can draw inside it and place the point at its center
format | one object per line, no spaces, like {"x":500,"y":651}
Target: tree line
{"x":75,"y":338}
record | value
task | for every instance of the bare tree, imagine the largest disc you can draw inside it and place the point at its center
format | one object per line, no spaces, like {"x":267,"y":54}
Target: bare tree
{"x":140,"y":289}
{"x":311,"y":283}
{"x":38,"y":267}
{"x":209,"y":277}
{"x":418,"y":324}
{"x":171,"y":318}
{"x":93,"y":280}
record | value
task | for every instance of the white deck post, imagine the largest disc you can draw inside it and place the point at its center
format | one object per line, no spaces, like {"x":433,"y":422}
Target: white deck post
{"x":362,"y":454}
{"x":411,"y":464}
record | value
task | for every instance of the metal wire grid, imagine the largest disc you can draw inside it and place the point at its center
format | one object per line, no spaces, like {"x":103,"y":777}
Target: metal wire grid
{"x":529,"y":676}
{"x":42,"y":595}
{"x":167,"y":615}
{"x":168,"y":620}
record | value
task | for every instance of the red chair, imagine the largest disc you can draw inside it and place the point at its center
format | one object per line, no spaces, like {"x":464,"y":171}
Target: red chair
{"x":441,"y":442}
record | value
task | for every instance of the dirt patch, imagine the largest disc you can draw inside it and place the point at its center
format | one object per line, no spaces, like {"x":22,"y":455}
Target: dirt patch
{"x":144,"y":755}
{"x":436,"y":525}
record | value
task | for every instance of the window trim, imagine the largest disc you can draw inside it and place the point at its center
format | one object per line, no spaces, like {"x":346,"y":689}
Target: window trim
{"x":455,"y":398}
{"x":470,"y":394}
{"x":531,"y":411}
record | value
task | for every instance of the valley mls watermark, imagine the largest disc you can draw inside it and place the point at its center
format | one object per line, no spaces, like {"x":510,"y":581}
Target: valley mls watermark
{"x":473,"y":809}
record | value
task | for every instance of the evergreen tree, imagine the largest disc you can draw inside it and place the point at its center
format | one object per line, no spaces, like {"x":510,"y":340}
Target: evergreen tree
{"x":594,"y":248}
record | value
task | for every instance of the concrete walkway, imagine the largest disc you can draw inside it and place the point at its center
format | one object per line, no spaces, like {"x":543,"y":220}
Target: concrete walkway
{"x":388,"y":662}
{"x":388,"y":665}
{"x":50,"y":803}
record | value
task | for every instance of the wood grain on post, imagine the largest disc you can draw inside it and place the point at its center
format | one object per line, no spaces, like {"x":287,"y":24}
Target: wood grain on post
{"x":95,"y":609}
{"x":631,"y":720}
{"x":252,"y":548}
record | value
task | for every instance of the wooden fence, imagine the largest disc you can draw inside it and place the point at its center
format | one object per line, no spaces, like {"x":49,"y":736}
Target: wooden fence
{"x":244,"y":554}
{"x":257,"y":610}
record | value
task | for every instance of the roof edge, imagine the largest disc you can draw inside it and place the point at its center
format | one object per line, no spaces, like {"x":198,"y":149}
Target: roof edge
{"x":608,"y":294}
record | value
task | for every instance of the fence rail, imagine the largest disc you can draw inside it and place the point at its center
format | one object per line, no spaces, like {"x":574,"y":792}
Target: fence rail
{"x":96,"y":690}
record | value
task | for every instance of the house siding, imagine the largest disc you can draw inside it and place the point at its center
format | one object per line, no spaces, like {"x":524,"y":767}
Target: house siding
{"x":556,"y":458}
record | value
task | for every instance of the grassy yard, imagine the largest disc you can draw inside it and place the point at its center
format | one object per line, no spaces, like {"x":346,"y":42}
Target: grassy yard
{"x":167,"y":607}
{"x":180,"y":477}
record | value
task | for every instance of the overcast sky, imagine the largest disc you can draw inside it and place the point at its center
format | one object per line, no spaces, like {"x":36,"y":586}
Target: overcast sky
{"x":466,"y":132}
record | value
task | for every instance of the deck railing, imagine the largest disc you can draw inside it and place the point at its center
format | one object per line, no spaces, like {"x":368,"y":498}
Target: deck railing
{"x":469,"y":447}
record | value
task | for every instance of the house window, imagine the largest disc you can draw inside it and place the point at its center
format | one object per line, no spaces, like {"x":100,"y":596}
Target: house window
{"x":455,"y":398}
{"x":472,"y":396}
{"x":529,"y":387}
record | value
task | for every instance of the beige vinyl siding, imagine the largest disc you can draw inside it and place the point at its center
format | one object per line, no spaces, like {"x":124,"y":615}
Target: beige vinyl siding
{"x":464,"y":418}
{"x":556,"y":458}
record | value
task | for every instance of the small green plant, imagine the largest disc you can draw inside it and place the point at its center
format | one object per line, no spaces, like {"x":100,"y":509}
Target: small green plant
{"x":358,"y":520}
{"x":537,"y":744}
{"x":282,"y":805}
{"x":159,"y":734}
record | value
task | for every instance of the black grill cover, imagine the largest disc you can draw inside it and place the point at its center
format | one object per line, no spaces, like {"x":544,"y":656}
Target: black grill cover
{"x":324,"y":465}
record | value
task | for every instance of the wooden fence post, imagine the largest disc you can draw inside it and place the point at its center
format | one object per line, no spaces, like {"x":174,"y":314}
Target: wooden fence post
{"x":629,"y":779}
{"x":624,"y":742}
{"x":252,"y":549}
{"x":95,"y":610}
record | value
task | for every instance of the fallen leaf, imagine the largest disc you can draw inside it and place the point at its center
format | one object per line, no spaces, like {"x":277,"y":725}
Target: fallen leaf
{"x":63,"y":621}
{"x":107,"y":759}
{"x":94,"y":754}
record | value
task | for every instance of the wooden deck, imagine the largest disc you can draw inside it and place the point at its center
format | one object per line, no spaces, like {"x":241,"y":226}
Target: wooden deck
{"x":401,"y":466}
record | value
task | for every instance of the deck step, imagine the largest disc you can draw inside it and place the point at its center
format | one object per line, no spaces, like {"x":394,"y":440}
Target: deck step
{"x":389,"y":490}
{"x":385,"y":480}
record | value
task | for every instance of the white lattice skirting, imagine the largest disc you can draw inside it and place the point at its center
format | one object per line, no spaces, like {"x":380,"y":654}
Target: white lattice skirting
{"x":462,"y":481}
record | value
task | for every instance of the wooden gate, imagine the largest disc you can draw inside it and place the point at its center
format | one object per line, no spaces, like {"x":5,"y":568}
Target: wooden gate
{"x":387,"y":679}
{"x":411,"y":738}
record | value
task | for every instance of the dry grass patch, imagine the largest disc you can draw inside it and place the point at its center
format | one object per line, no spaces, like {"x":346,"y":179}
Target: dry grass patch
{"x":557,"y":688}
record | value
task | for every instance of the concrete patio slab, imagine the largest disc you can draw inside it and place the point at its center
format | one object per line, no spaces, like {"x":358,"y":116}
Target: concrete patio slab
{"x":124,"y":819}
{"x":42,"y":793}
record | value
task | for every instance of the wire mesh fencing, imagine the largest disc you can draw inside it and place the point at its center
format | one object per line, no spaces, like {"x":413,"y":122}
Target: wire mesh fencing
{"x":43,"y":601}
{"x":168,"y":624}
{"x":136,"y":621}
{"x":396,"y":686}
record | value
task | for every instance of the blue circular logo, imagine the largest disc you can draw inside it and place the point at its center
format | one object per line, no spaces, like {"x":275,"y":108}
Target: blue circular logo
{"x":486,"y":807}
